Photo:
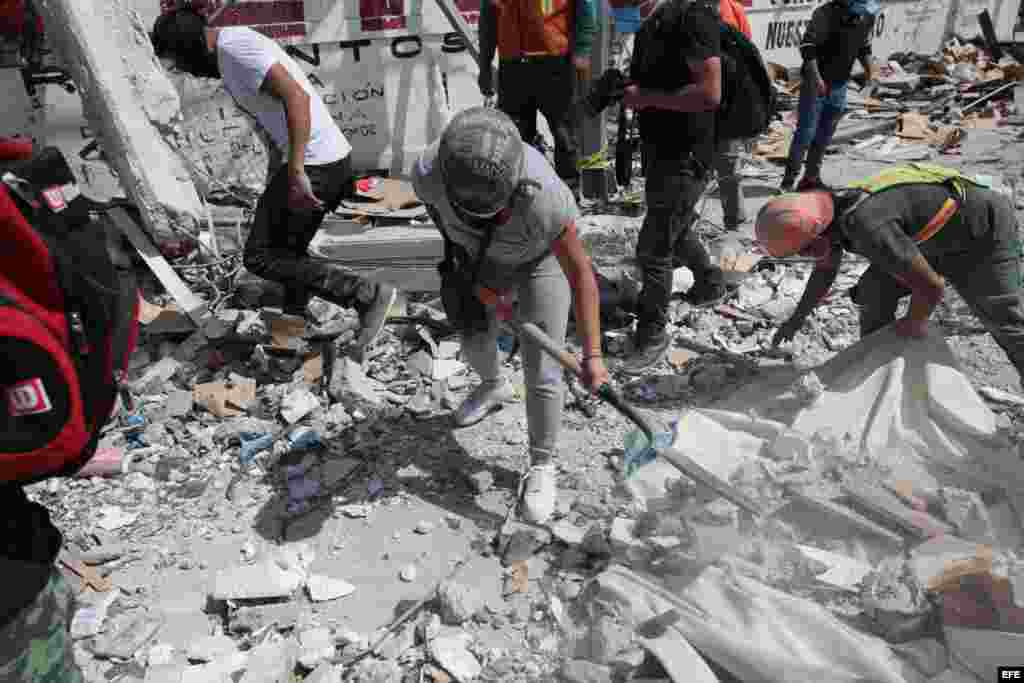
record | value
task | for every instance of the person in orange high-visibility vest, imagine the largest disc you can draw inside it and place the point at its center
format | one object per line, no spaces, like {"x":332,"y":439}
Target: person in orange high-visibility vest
{"x":727,"y":153}
{"x":732,"y":13}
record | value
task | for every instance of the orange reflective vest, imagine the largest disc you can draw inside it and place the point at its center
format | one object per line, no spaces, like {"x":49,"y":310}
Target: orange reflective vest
{"x":534,"y":27}
{"x":732,"y":13}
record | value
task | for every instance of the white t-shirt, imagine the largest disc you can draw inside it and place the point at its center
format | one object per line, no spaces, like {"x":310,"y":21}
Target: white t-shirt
{"x":245,"y":56}
{"x":534,"y":224}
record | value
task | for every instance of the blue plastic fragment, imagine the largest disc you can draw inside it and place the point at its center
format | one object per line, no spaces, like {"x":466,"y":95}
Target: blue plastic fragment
{"x":639,"y":451}
{"x":304,"y":437}
{"x":374,"y":487}
{"x":253,"y":443}
{"x":506,"y":342}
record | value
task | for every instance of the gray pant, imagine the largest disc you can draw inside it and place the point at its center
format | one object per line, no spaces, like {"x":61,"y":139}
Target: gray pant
{"x":730,"y":192}
{"x":988,"y":277}
{"x":543,"y":299}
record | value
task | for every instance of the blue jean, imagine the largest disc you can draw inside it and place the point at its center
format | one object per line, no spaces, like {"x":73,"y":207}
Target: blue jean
{"x":816,"y":124}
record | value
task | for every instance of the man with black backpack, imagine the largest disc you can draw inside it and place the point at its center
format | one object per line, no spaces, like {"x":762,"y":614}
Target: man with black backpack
{"x":675,"y":86}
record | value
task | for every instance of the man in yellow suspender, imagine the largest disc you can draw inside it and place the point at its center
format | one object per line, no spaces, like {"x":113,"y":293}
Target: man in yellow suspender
{"x":919,"y":225}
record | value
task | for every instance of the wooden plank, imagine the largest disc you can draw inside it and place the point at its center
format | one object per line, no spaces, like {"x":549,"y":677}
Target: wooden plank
{"x":194,"y":307}
{"x":855,"y":521}
{"x":889,"y":509}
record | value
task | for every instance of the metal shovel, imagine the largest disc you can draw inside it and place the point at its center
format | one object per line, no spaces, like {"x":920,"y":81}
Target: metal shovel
{"x":684,"y":464}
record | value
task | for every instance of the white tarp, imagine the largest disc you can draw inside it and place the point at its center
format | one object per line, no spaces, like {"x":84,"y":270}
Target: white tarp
{"x":756,"y":633}
{"x":903,"y":404}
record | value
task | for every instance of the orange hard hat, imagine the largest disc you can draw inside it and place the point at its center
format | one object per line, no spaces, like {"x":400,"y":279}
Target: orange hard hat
{"x":788,"y":223}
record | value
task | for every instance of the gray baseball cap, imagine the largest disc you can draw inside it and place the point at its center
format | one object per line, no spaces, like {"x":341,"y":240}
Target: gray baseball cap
{"x":481,"y":159}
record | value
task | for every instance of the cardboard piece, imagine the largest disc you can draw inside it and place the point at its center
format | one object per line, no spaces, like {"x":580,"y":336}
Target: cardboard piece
{"x":90,"y":577}
{"x":286,"y":331}
{"x":224,"y":400}
{"x":313,"y":368}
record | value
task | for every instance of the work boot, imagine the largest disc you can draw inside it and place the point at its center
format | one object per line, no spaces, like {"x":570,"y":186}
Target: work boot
{"x":540,"y":492}
{"x":490,"y":396}
{"x":373,"y":317}
{"x":710,"y":290}
{"x":648,"y":350}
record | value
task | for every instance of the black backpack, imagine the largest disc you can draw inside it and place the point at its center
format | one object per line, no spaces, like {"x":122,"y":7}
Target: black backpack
{"x":748,"y":97}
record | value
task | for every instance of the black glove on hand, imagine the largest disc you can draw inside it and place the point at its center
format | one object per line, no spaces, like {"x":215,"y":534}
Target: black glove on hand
{"x":608,"y":89}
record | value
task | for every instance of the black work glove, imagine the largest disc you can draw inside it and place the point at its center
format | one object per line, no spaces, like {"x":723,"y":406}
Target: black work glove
{"x":607,"y":90}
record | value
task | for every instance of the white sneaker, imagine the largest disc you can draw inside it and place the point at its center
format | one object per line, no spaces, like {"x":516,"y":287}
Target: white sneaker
{"x":485,"y":399}
{"x":540,"y":492}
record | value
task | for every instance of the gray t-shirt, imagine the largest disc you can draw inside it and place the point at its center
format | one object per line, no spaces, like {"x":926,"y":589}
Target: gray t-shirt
{"x":526,"y":237}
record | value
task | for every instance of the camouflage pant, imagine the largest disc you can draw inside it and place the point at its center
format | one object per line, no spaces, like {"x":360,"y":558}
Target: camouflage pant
{"x":36,"y":646}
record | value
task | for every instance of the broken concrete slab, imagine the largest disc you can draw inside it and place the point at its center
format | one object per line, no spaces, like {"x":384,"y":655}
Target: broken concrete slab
{"x":967,"y":512}
{"x":458,"y":602}
{"x":322,"y":588}
{"x":210,"y":648}
{"x":352,"y":388}
{"x":265,"y":579}
{"x":126,"y":634}
{"x":982,"y":651}
{"x":316,"y":647}
{"x":155,"y":376}
{"x":271,"y":662}
{"x":451,"y":651}
{"x":251,"y":619}
{"x":298,"y":404}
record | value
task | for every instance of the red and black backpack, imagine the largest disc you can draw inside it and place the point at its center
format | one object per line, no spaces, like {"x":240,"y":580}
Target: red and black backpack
{"x":68,"y":318}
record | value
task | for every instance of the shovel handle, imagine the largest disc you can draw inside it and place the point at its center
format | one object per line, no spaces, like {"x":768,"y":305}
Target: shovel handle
{"x":569,"y":361}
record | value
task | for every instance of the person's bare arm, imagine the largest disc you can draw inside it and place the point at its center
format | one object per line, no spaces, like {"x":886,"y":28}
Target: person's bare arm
{"x":926,"y":289}
{"x":280,"y":84}
{"x":580,"y":272}
{"x":818,"y":285}
{"x":705,"y":94}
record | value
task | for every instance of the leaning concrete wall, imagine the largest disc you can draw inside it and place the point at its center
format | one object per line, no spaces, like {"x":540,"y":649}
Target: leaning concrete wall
{"x":130,"y":104}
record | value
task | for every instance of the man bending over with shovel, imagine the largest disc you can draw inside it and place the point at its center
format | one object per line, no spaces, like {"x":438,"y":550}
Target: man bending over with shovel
{"x":918,"y":225}
{"x":509,"y":226}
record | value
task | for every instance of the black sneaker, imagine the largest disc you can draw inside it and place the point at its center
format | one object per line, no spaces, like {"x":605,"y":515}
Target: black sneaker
{"x":376,"y":314}
{"x":788,"y":181}
{"x":707,"y":293}
{"x":650,"y":349}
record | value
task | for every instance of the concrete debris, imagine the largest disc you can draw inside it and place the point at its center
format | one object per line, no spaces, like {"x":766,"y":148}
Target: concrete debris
{"x":451,"y":652}
{"x":210,"y":648}
{"x":458,"y":602}
{"x":351,"y":387}
{"x":322,"y":588}
{"x":966,"y":511}
{"x":265,"y":579}
{"x":271,"y":662}
{"x":371,"y":475}
{"x":298,"y":404}
{"x":316,"y":646}
{"x":156,"y":375}
{"x":583,"y":671}
{"x":808,"y":388}
{"x":126,"y":634}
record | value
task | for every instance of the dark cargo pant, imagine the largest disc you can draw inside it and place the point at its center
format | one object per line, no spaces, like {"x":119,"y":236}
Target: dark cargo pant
{"x":673,"y":186}
{"x":988,"y":277}
{"x":36,"y":646}
{"x":547,"y":85}
{"x":277,"y":246}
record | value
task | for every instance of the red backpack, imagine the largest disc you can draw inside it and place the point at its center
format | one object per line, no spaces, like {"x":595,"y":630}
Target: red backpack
{"x":68,"y":319}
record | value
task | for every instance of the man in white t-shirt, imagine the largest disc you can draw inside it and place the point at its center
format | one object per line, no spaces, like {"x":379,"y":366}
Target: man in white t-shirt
{"x":268,"y":85}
